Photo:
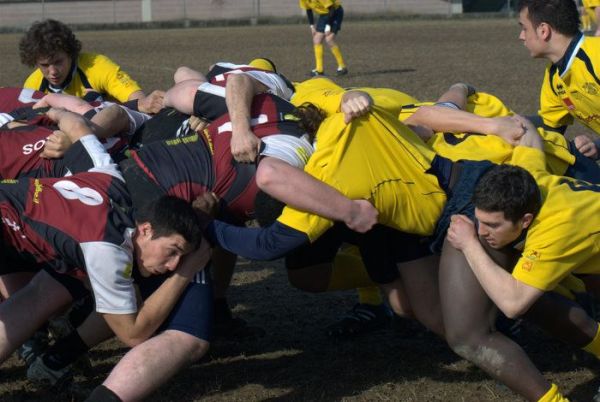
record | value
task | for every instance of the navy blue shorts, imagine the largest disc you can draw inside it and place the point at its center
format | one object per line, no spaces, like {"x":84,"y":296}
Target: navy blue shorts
{"x":381,"y":249}
{"x":194,"y":312}
{"x":584,"y":168}
{"x":334,"y":21}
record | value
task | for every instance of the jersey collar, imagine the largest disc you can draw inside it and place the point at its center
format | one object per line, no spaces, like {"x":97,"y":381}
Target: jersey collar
{"x":564,"y":64}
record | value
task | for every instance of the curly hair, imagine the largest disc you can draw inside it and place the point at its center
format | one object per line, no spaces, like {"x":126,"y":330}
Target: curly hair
{"x":562,"y":15}
{"x":45,"y":38}
{"x":310,"y":117}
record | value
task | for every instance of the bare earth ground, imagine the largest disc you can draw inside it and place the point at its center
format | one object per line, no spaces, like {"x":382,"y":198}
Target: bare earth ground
{"x":295,"y":361}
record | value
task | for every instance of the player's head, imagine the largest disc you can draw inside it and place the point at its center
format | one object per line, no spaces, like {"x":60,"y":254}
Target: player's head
{"x":51,"y":46}
{"x":506,"y":200}
{"x":310,"y":118}
{"x":538,"y":17}
{"x":166,"y":229}
{"x":264,"y":64}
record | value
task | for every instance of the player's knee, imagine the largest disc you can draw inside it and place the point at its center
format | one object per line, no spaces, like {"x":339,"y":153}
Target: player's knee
{"x":302,"y":280}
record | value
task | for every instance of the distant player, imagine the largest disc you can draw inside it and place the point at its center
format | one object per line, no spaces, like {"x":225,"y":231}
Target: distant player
{"x":52,"y":48}
{"x":330,"y":15}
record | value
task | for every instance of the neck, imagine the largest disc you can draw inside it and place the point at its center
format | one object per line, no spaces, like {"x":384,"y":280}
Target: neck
{"x":558,"y":47}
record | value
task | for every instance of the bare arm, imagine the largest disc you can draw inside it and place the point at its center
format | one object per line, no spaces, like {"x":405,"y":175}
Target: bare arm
{"x":511,"y":296}
{"x":240,"y":90}
{"x":133,"y":329}
{"x":298,"y":189}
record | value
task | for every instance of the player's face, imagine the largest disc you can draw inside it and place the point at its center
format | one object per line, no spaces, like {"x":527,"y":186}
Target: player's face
{"x":496,"y":230}
{"x":55,"y":68}
{"x":160,"y":255}
{"x":529,"y":35}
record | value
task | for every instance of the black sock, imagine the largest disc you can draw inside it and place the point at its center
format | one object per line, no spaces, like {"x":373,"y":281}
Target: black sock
{"x":222,"y":310}
{"x":103,"y":394}
{"x":64,"y":351}
{"x":81,"y":310}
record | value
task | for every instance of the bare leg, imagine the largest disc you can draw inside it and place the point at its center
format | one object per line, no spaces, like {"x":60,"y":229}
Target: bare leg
{"x":469,"y":317}
{"x":184,"y":73}
{"x":10,"y":283}
{"x":28,"y":309}
{"x":152,"y":363}
{"x":181,"y":96}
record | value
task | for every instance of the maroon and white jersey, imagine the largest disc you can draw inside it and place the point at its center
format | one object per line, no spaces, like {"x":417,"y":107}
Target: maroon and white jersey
{"x":21,"y":148}
{"x":276,"y":83}
{"x":189,"y":166}
{"x":75,"y":223}
{"x":15,"y":104}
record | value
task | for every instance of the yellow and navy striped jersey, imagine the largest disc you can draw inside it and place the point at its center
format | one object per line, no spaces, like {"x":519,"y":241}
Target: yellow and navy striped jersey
{"x":571,"y":88}
{"x":564,"y":237}
{"x":94,"y":71}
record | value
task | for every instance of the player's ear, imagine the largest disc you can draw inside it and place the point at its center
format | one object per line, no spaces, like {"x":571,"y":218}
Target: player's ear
{"x":145,"y":229}
{"x":544,"y":31}
{"x":526,"y":220}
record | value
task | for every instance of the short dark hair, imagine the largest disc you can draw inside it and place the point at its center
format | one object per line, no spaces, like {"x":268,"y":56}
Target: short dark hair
{"x":171,"y":215}
{"x":508,"y":189}
{"x":561,"y":15}
{"x":45,"y":38}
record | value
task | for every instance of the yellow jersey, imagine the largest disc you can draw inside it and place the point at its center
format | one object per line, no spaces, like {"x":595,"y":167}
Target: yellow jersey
{"x":564,"y":238}
{"x":377,"y":158}
{"x":327,"y":95}
{"x":319,"y":6}
{"x":571,"y":88}
{"x":93,"y":71}
{"x":477,"y":147}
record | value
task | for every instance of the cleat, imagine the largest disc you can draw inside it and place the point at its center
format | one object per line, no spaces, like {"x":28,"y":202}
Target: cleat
{"x":341,"y":71}
{"x":42,"y":375}
{"x":316,"y":73}
{"x":33,"y":347}
{"x":361,"y":319}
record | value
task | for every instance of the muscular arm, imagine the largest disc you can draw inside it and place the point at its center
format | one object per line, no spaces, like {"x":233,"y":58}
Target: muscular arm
{"x":300,"y":190}
{"x":133,"y":329}
{"x":240,"y":91}
{"x":511,"y":296}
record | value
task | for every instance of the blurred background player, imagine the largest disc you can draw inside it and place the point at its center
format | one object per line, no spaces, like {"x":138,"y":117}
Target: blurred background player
{"x":590,"y":12}
{"x":550,"y":30}
{"x":52,"y":48}
{"x":329,"y":22}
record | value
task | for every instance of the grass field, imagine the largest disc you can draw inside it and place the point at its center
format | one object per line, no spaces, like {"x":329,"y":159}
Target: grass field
{"x":295,"y":361}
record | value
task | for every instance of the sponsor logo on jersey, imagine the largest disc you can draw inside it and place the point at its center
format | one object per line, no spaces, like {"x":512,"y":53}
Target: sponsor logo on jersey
{"x":38,"y":188}
{"x":590,"y":88}
{"x":127,"y":271}
{"x":527,"y":266}
{"x":13,"y":225}
{"x":36,"y":146}
{"x":567,"y":101}
{"x":533,"y":255}
{"x":560,"y":90}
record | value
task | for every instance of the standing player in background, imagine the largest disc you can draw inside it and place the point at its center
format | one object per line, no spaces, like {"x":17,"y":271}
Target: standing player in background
{"x":571,"y":87}
{"x":52,"y":48}
{"x":590,"y":15}
{"x":329,"y":22}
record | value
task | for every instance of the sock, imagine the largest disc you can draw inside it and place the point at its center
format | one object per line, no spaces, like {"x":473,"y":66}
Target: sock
{"x":103,"y":394}
{"x":65,"y":351}
{"x":348,"y":271}
{"x":337,"y":53}
{"x":553,"y":395}
{"x":370,"y":295}
{"x":594,"y":346}
{"x":319,"y":58}
{"x":81,"y":310}
{"x":222,"y":310}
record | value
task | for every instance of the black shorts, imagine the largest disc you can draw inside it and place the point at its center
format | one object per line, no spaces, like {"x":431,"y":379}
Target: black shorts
{"x":381,"y":249}
{"x":209,"y":106}
{"x":141,"y":187}
{"x":334,"y":21}
{"x":164,"y":125}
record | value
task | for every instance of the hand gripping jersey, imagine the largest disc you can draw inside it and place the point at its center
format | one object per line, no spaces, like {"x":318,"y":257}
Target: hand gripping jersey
{"x":564,"y":237}
{"x":189,"y":166}
{"x":74,"y":224}
{"x":571,"y":87}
